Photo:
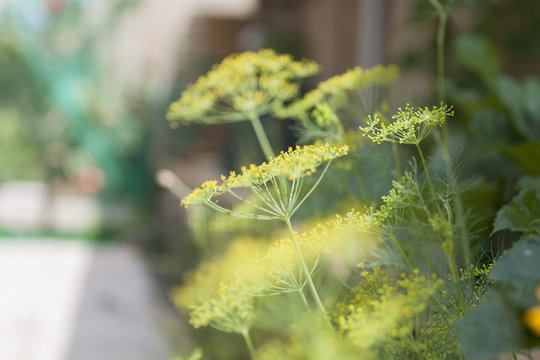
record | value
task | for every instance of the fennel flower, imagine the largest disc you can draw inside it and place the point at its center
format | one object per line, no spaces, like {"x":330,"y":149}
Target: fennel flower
{"x":410,"y":126}
{"x":251,"y":82}
{"x":278,"y":182}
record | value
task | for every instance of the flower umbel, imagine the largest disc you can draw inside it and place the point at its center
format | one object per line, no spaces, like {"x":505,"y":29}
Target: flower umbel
{"x":230,"y":311}
{"x":335,"y":91}
{"x":278,"y":183}
{"x":321,"y":111}
{"x":410,"y":126}
{"x":384,"y":309}
{"x":251,"y":82}
{"x":278,"y":269}
{"x":208,"y":293}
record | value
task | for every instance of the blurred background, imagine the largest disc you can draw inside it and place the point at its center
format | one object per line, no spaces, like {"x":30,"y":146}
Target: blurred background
{"x":90,"y":242}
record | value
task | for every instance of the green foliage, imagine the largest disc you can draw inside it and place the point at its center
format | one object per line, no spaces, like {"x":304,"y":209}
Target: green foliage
{"x":525,"y":155}
{"x":399,"y":268}
{"x":70,"y":114}
{"x":516,"y":273}
{"x":477,"y":54}
{"x":196,"y":354}
{"x":520,"y":101}
{"x":496,"y":324}
{"x":19,"y":158}
{"x":521,"y":214}
{"x":481,"y":339}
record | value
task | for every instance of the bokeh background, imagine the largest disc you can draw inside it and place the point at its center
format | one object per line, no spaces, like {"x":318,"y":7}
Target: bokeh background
{"x":92,"y":237}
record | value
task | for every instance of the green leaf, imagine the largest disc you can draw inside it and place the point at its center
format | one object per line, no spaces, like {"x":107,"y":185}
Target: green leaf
{"x":520,"y":99}
{"x":478,"y":54}
{"x":526,"y":155}
{"x":495,"y":325}
{"x":490,"y":328}
{"x":518,"y":272}
{"x":529,"y":183}
{"x":521,"y":214}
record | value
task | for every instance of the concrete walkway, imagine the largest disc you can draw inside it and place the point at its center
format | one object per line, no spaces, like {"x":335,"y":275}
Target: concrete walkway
{"x":64,"y":300}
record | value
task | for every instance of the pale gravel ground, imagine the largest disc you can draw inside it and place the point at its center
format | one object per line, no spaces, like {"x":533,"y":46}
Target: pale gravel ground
{"x":118,"y":316}
{"x":64,"y":300}
{"x":40,"y":286}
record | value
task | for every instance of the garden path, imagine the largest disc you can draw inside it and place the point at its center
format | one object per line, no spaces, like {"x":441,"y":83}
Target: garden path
{"x":67,"y":300}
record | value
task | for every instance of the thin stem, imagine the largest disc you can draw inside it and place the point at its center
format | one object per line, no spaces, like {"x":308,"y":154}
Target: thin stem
{"x":310,"y":190}
{"x":304,"y":300}
{"x":455,"y":279}
{"x":252,"y":204}
{"x":292,"y":190}
{"x":271,"y":197}
{"x":281,"y":190}
{"x":296,"y":194}
{"x":261,"y":135}
{"x":401,"y":251}
{"x":249,"y":344}
{"x":441,"y":32}
{"x":266,"y":198}
{"x":396,"y":160}
{"x":425,"y":169}
{"x":238,"y":214}
{"x":514,"y":356}
{"x":314,"y":292}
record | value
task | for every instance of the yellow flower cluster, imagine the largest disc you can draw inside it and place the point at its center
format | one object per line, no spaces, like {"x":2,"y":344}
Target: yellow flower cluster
{"x":305,"y":340}
{"x":385,"y":309}
{"x":220,"y":293}
{"x":209,"y":296}
{"x":410,"y":126}
{"x":335,"y":90}
{"x":277,"y":270}
{"x":383,"y":220}
{"x":196,"y":354}
{"x":251,"y":82}
{"x":230,"y":311}
{"x":209,"y":276}
{"x":290,"y":164}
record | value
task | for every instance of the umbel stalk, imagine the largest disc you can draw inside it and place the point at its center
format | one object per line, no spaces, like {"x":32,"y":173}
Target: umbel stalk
{"x":312,"y":287}
{"x":261,"y":135}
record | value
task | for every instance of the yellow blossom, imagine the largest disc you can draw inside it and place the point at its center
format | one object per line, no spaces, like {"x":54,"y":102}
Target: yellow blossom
{"x":410,"y":126}
{"x":334,"y":90}
{"x":323,"y":111}
{"x":531,"y":317}
{"x":291,"y":165}
{"x":210,"y":297}
{"x":251,"y":82}
{"x":384,"y":309}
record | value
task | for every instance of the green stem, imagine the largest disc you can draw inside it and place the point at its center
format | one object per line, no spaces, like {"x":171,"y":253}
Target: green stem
{"x":514,"y":356}
{"x":249,"y":344}
{"x":291,"y":212}
{"x":441,"y":32}
{"x":314,"y":292}
{"x":402,"y":252}
{"x":425,"y":169}
{"x":304,"y":300}
{"x":455,"y":278}
{"x":261,"y":135}
{"x":396,"y":160}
